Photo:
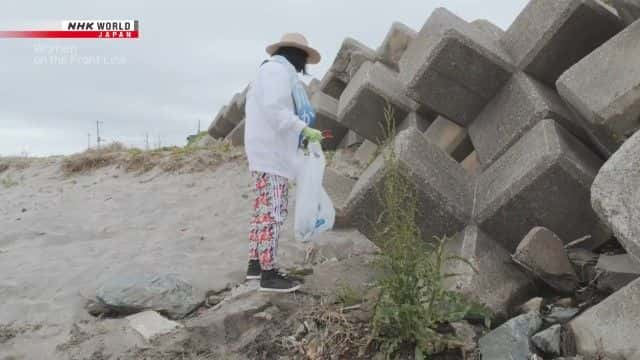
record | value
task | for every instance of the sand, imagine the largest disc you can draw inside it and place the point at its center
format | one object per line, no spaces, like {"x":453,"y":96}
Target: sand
{"x":61,"y":237}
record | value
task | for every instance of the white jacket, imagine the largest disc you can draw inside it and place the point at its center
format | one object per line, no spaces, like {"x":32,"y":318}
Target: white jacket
{"x":272,"y":129}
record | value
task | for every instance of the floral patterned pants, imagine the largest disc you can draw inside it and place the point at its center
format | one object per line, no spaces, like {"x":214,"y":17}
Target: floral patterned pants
{"x":269,"y":213}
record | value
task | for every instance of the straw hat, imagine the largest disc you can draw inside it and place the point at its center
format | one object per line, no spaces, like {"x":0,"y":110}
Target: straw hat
{"x":298,"y":41}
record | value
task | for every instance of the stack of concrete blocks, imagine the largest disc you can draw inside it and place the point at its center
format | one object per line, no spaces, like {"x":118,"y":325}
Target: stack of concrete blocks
{"x":229,"y":117}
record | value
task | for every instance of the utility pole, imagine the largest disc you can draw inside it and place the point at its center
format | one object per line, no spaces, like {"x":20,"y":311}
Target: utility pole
{"x":146,"y":140}
{"x":198,"y":127}
{"x":98,"y":139}
{"x":88,"y":141}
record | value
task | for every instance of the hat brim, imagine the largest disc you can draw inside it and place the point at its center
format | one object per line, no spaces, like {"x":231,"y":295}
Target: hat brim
{"x":314,"y":55}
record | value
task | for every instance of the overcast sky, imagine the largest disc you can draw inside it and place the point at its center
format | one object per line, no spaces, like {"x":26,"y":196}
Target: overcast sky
{"x":192,"y":57}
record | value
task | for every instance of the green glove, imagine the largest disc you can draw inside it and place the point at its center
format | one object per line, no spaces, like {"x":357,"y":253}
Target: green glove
{"x":312,"y":135}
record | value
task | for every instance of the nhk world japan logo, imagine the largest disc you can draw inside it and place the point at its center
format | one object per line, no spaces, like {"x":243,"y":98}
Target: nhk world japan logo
{"x":81,"y":29}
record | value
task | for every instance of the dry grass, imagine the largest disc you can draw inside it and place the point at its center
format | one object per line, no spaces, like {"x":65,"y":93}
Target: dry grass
{"x":17,"y":163}
{"x":167,"y":159}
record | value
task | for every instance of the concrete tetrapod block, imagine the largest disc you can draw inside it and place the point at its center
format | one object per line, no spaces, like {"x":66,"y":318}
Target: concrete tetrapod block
{"x":450,"y":137}
{"x":610,"y":328}
{"x":362,"y":104}
{"x":454,"y":68}
{"x":327,"y":119}
{"x":628,"y":10}
{"x":219,"y":127}
{"x":331,"y":85}
{"x":236,"y":136}
{"x":497,"y":282}
{"x":415,"y":120}
{"x":350,"y":139}
{"x":366,"y":152}
{"x":604,"y":88}
{"x":543,"y":180}
{"x":350,"y":57}
{"x":395,"y":43}
{"x":338,"y":188}
{"x":549,"y":36}
{"x":517,"y":108}
{"x":488,"y":27}
{"x":471,"y":164}
{"x":615,"y":195}
{"x":442,"y":189}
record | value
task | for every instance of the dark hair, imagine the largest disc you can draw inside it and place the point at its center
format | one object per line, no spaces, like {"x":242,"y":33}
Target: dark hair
{"x":297,"y":57}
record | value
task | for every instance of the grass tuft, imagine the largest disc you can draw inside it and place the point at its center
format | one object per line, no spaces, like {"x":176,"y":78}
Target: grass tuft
{"x":414,"y":303}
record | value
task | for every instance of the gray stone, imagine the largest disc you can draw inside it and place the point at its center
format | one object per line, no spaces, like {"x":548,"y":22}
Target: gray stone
{"x":517,"y":108}
{"x":584,"y":262}
{"x":533,"y":305}
{"x":549,"y":36}
{"x":164,"y":293}
{"x":549,"y":340}
{"x":450,"y":137}
{"x":610,"y":328}
{"x":236,"y":136}
{"x":604,"y":88}
{"x":363,"y":103}
{"x":366,"y":153}
{"x":496,"y":281}
{"x":395,"y":43}
{"x":350,"y":57}
{"x":615,"y":195}
{"x":471,"y":164}
{"x":327,"y":111}
{"x":616,"y":271}
{"x":510,"y":341}
{"x":543,"y":180}
{"x":219,"y":128}
{"x":229,"y":116}
{"x":441,"y":185}
{"x":454,"y":68}
{"x":489,"y":28}
{"x":542,"y":253}
{"x":150,"y":324}
{"x":332,"y":85}
{"x":560,"y":315}
{"x":628,"y":10}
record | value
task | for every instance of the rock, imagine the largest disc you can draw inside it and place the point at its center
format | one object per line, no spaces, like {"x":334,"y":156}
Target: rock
{"x":616,"y":271}
{"x":615,"y":195}
{"x":150,"y":324}
{"x":610,"y":328}
{"x":515,"y":110}
{"x":498,"y":283}
{"x":467,"y":335}
{"x":97,"y":308}
{"x":607,"y":99}
{"x":543,"y":180}
{"x":560,"y":315}
{"x":533,"y":305}
{"x":363,"y":103}
{"x":327,"y":119}
{"x":510,"y":341}
{"x":164,"y":293}
{"x":628,"y":10}
{"x":440,"y":183}
{"x":542,"y":253}
{"x":549,"y":36}
{"x":549,"y":340}
{"x":395,"y":44}
{"x":454,"y":68}
{"x":236,"y":136}
{"x":564,"y":302}
{"x":450,"y":137}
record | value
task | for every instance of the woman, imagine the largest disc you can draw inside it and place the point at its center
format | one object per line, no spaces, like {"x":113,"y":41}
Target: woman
{"x":278,"y":116}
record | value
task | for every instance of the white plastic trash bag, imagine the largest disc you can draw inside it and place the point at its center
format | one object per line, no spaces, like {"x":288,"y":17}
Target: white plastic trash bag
{"x":314,"y":209}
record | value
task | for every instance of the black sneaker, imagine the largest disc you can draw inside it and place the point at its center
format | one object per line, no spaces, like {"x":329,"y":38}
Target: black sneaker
{"x":274,"y":281}
{"x":253,"y":270}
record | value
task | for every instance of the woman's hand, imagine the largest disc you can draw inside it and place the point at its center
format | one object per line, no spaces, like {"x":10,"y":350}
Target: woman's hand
{"x":312,"y":135}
